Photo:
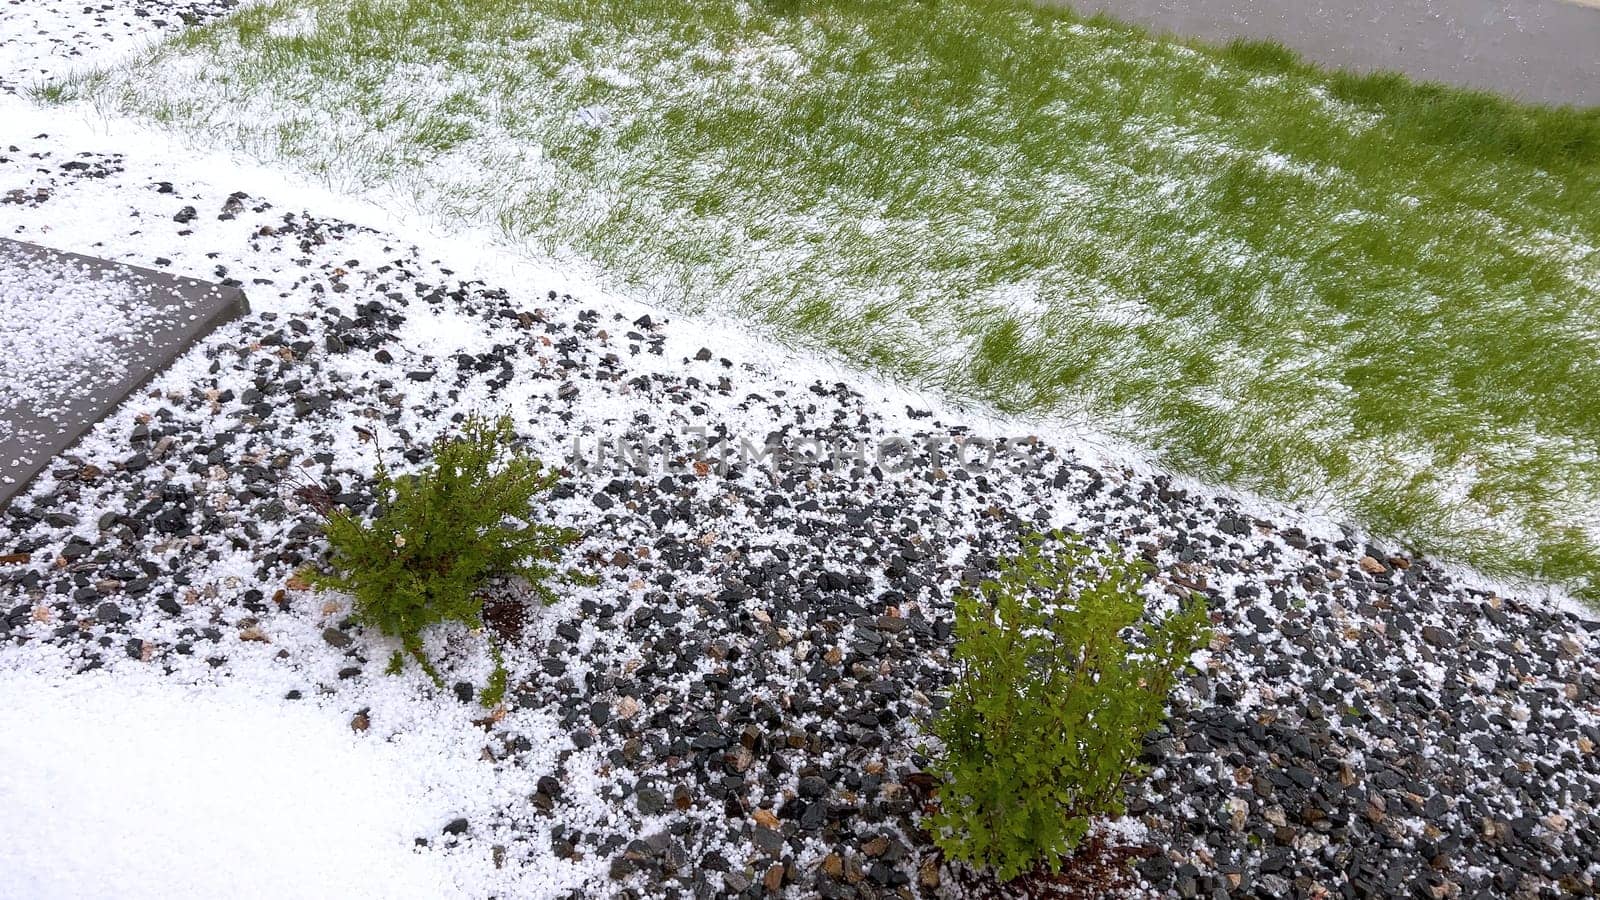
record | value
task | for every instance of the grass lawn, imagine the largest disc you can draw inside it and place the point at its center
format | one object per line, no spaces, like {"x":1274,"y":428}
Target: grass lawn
{"x":1378,"y":296}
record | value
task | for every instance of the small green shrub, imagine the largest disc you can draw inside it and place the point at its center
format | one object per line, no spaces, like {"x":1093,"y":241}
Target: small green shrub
{"x":1061,"y":677}
{"x":439,"y":536}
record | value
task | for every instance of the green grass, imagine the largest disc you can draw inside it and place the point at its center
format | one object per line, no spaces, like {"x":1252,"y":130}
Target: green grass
{"x":1380,"y":296}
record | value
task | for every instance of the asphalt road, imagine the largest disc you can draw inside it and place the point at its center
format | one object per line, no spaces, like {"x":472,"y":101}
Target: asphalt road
{"x":1541,"y":50}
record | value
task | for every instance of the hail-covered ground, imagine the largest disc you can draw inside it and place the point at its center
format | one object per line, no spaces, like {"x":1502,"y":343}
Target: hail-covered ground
{"x":737,"y":706}
{"x":1361,"y":292}
{"x":68,"y":331}
{"x":45,"y":39}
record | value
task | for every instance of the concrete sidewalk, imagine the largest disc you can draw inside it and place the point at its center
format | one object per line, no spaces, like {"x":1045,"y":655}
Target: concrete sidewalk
{"x":51,"y":395}
{"x":1542,"y":50}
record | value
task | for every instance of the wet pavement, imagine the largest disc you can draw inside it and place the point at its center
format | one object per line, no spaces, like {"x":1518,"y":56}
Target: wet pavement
{"x":1541,"y":50}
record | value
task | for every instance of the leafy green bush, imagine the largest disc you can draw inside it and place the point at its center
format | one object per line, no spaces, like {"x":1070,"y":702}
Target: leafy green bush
{"x":1061,"y":677}
{"x":439,"y":536}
